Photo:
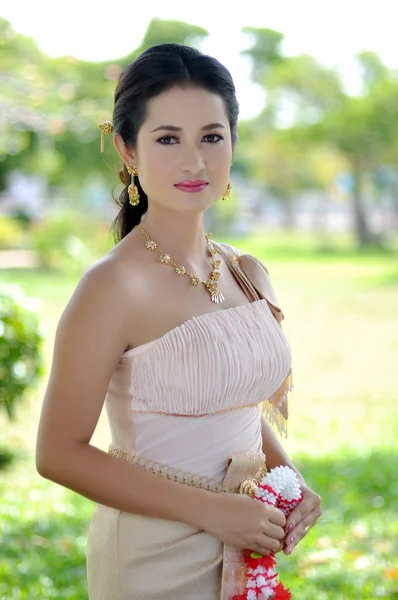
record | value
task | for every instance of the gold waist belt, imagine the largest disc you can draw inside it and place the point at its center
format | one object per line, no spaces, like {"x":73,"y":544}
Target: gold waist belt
{"x":243,"y":475}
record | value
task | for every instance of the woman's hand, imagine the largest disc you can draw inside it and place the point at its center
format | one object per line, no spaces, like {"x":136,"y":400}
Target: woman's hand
{"x":302,"y":518}
{"x":238,"y":521}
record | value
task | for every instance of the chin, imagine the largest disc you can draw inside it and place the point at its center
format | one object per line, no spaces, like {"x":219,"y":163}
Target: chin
{"x":199,"y":206}
{"x":194,"y":201}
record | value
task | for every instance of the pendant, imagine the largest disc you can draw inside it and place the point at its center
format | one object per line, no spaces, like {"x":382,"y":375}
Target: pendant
{"x":217,"y":297}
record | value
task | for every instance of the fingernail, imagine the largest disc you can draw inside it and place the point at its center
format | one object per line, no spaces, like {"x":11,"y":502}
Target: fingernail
{"x":290,"y":549}
{"x":290,"y":527}
{"x":291,"y":539}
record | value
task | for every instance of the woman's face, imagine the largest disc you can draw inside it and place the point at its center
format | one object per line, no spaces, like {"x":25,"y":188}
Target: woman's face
{"x":186,"y":138}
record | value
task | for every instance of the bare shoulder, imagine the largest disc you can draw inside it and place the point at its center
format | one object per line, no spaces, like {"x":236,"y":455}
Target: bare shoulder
{"x":113,"y":295}
{"x":98,"y":300}
{"x":91,"y":336}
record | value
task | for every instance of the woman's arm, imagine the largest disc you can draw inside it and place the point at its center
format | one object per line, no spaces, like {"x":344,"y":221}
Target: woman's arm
{"x":274,"y":451}
{"x":102,"y":478}
{"x":91,"y":336}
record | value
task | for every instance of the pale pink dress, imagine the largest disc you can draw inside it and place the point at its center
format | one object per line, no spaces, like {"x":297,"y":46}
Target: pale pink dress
{"x":200,"y":373}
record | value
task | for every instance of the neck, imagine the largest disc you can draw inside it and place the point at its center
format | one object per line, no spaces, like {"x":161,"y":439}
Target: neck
{"x":179,"y":235}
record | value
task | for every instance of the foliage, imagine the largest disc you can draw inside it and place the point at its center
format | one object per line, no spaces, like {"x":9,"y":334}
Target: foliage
{"x":308,"y":110}
{"x":11,"y":233}
{"x":67,"y":240}
{"x":51,"y":107}
{"x":350,"y":554}
{"x":265,"y":51}
{"x":277,"y":161}
{"x":222,"y":217}
{"x":163,"y":32}
{"x":20,"y":347}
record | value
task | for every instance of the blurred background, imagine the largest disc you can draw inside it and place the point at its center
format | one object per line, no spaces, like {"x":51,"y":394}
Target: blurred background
{"x":315,"y":197}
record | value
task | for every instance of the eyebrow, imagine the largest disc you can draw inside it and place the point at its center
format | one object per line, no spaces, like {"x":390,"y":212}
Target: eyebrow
{"x":174,"y":128}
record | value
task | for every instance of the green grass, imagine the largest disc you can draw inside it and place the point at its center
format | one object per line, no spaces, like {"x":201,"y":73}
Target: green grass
{"x":341,"y":320}
{"x":348,"y":555}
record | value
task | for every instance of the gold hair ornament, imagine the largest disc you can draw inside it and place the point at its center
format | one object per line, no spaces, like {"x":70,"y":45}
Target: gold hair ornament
{"x":106,"y":129}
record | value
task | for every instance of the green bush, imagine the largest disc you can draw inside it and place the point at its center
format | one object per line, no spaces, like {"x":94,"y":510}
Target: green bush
{"x":21,"y":357}
{"x":69,"y":240}
{"x":11,"y":233}
{"x":57,"y":240}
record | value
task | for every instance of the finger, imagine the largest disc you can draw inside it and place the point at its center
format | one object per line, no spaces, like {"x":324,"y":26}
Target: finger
{"x":260,"y":549}
{"x":297,"y":534}
{"x":270,"y":543}
{"x":276,"y":516}
{"x":310,"y":502}
{"x":308,"y":519}
{"x":274,"y":531}
{"x":264,"y":551}
{"x":299,"y":531}
{"x":303,"y":509}
{"x":296,"y":516}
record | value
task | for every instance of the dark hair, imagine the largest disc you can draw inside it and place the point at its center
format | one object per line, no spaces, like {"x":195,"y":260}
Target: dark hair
{"x":156,"y":70}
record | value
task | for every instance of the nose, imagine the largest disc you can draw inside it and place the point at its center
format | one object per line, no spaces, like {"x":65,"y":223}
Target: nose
{"x":192,"y":160}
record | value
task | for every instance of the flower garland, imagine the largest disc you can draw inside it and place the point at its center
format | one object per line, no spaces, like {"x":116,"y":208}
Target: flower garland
{"x":279,"y":488}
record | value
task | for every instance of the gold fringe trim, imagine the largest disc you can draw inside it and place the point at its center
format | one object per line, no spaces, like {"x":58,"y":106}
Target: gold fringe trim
{"x":275,"y":409}
{"x":274,"y":417}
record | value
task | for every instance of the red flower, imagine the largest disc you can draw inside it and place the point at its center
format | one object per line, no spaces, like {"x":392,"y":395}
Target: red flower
{"x":285,"y":501}
{"x":268,"y":562}
{"x":281,"y":593}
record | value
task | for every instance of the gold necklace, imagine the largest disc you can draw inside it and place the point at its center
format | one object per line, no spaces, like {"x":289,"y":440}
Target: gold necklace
{"x":211,"y":285}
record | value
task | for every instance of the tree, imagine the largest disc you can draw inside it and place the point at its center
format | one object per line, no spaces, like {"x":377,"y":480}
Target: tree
{"x":277,"y":161}
{"x":51,"y":108}
{"x":163,"y":32}
{"x":319,"y":112}
{"x":264,"y":52}
{"x":364,"y":128}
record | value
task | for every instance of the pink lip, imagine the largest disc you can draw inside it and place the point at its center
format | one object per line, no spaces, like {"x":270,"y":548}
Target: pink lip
{"x":191,"y":186}
{"x":191,"y":182}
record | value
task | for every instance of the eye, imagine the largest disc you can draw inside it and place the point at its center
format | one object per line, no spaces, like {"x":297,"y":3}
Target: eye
{"x":211,"y":138}
{"x":166,"y":140}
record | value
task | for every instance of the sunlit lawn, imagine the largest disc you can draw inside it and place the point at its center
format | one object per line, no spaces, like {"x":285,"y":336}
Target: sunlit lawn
{"x":342,"y":322}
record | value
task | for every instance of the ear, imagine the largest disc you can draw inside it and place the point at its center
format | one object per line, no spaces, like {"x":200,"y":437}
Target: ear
{"x":125,"y":152}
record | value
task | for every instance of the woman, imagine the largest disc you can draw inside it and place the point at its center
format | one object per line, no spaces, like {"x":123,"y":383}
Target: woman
{"x":183,"y":377}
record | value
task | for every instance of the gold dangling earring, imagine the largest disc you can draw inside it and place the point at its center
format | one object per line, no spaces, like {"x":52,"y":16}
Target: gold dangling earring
{"x":132,"y":189}
{"x":227,"y":193}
